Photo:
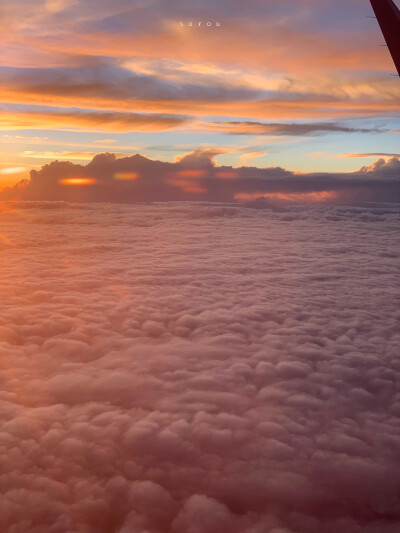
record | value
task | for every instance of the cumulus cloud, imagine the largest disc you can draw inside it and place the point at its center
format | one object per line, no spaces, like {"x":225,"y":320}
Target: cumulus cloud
{"x":200,"y":157}
{"x":384,"y":167}
{"x":199,"y":369}
{"x":196,"y":177}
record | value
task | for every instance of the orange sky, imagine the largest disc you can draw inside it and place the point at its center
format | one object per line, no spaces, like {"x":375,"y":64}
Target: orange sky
{"x":72,"y":75}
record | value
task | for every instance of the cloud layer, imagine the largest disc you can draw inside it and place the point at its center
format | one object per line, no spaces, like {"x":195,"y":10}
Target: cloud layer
{"x":196,"y":370}
{"x":196,"y":177}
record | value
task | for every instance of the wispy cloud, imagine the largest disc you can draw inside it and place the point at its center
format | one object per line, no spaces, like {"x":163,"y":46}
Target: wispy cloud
{"x":62,"y":155}
{"x":84,"y":119}
{"x":369,"y":154}
{"x":293,"y":129}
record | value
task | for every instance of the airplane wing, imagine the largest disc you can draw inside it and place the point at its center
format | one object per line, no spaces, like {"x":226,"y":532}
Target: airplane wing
{"x":388,"y":15}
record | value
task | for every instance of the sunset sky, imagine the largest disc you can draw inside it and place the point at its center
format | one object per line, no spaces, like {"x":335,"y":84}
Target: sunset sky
{"x":300,"y":84}
{"x":199,"y":233}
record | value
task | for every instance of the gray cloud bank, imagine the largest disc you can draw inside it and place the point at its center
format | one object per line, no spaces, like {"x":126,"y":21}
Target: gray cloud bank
{"x":264,"y":128}
{"x":197,"y":178}
{"x":171,"y":369}
{"x":102,"y":79}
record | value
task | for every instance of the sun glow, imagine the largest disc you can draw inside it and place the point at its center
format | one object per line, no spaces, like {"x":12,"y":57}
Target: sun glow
{"x":12,"y":170}
{"x":78,"y":181}
{"x":126,"y":176}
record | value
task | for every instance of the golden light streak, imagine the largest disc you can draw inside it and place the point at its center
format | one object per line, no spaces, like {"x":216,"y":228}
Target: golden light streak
{"x":77,"y":181}
{"x":191,"y":173}
{"x":126,"y":176}
{"x":367,"y":155}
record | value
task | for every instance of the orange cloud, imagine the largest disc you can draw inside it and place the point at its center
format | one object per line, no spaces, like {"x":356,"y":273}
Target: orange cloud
{"x":109,"y":115}
{"x":88,"y":119}
{"x":64,"y":155}
{"x":245,"y":158}
{"x":318,"y":50}
{"x":369,"y":154}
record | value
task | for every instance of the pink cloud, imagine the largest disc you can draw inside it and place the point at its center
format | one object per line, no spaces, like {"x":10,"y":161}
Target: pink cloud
{"x":195,"y":369}
{"x":196,"y":176}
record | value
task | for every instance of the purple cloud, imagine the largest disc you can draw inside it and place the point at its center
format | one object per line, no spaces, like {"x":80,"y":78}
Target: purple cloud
{"x":199,"y":369}
{"x":196,"y":177}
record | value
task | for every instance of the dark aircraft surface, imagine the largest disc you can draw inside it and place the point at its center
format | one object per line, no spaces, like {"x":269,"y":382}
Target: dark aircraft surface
{"x":388,"y":15}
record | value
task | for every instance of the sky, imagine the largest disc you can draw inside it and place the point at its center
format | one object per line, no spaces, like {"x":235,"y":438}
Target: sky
{"x":302,"y":85}
{"x":221,"y":355}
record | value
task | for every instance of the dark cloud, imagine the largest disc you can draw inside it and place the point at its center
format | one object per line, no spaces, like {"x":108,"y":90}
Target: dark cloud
{"x":196,"y":177}
{"x":106,"y":80}
{"x":199,"y":369}
{"x":110,"y":121}
{"x":294,"y":129}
